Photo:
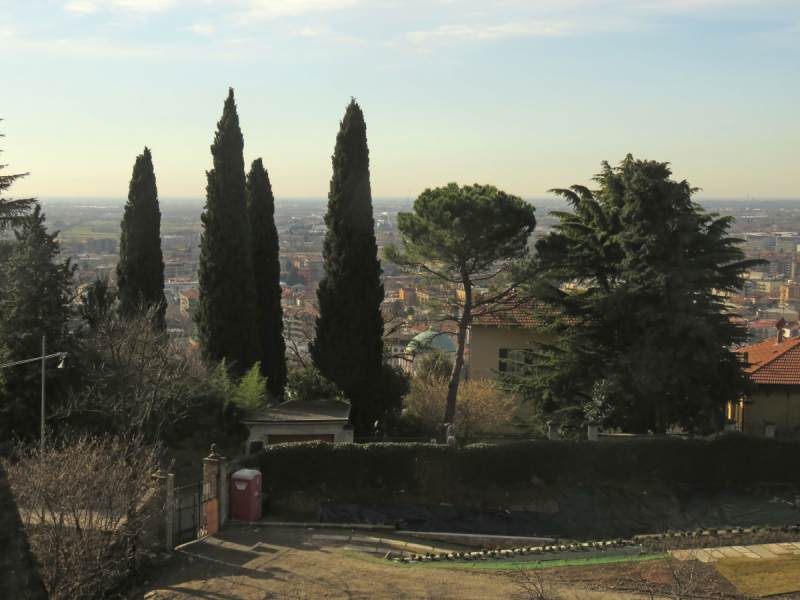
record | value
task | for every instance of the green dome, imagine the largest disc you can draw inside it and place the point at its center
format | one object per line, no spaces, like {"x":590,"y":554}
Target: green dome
{"x":429,"y":340}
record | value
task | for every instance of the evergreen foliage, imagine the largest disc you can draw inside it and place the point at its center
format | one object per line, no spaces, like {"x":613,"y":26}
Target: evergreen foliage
{"x":309,"y":384}
{"x":348,"y":348}
{"x":249,"y":394}
{"x":267,"y":275}
{"x":98,"y":302}
{"x":226,"y":314}
{"x":474,"y":237}
{"x":644,"y":341}
{"x":294,"y":277}
{"x":336,"y":470}
{"x":34,"y":302}
{"x":140,"y":270}
{"x":12,"y":212}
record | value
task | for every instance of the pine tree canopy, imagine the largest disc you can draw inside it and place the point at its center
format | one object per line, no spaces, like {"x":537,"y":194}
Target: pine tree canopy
{"x":140,"y":271}
{"x":348,"y":348}
{"x":641,"y":337}
{"x":267,"y":272}
{"x":470,"y":236}
{"x":226,"y":307}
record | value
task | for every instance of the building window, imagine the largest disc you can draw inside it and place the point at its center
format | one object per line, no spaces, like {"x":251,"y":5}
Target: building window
{"x":509,"y":359}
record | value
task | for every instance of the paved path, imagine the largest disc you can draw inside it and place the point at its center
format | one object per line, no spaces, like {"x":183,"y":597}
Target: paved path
{"x":380,"y":546}
{"x":272,"y":564}
{"x":710,"y":555}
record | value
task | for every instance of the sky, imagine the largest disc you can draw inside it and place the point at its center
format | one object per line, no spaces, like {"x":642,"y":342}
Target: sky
{"x":524,"y":95}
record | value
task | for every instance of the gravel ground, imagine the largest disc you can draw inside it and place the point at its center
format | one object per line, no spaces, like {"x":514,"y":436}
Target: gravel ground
{"x":267,"y":563}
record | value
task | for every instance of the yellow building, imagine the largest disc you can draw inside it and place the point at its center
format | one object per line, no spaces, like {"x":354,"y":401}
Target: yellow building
{"x":775,"y":405}
{"x":790,"y":292}
{"x":495,"y":337}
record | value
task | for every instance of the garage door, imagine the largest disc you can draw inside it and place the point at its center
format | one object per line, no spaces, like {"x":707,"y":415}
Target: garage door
{"x":283,"y":439}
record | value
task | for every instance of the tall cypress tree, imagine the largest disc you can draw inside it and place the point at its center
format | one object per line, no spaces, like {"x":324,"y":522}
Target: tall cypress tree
{"x":226,"y":308}
{"x":348,"y":348}
{"x":140,"y":271}
{"x":267,"y":275}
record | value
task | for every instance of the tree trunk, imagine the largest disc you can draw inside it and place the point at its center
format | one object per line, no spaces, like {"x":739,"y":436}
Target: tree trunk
{"x":458,"y":364}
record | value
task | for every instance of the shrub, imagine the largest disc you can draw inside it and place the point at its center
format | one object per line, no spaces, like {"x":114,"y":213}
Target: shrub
{"x":481,"y":406}
{"x":310,"y":384}
{"x":299,"y":467}
{"x":83,"y":551}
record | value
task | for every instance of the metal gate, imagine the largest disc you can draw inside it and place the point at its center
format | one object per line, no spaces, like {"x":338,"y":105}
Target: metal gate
{"x":187,"y":520}
{"x":196,"y":513}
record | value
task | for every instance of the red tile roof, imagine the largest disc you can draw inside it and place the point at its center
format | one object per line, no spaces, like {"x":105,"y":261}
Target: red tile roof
{"x":519,"y":314}
{"x":774,"y":363}
{"x":190,"y":294}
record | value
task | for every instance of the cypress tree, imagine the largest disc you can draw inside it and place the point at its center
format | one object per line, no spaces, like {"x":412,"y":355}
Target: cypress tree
{"x":348,"y":348}
{"x":267,"y":276}
{"x":140,"y":271}
{"x":226,"y":307}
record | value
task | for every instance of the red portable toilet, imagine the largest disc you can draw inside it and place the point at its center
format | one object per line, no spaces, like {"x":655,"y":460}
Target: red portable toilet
{"x":246,"y":495}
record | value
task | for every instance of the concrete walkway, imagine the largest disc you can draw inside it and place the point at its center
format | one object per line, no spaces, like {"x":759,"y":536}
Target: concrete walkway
{"x":380,"y":546}
{"x":710,"y":555}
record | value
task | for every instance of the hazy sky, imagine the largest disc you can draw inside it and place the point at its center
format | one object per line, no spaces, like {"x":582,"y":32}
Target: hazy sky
{"x":525,"y":95}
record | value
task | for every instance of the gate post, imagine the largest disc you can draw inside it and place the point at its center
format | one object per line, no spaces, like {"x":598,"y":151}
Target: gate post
{"x":224,"y":493}
{"x":169,"y":507}
{"x":213,"y":465}
{"x":157,"y":528}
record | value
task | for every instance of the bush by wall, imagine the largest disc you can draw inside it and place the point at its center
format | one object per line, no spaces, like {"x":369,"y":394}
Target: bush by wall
{"x":733,"y":459}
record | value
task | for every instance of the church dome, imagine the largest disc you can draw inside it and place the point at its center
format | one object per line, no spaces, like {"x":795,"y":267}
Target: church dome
{"x":431,"y":340}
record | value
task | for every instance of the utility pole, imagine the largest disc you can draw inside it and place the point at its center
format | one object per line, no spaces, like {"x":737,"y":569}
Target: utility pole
{"x":41,"y":441}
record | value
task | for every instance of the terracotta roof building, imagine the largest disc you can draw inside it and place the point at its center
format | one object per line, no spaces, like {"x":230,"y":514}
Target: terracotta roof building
{"x":775,"y":361}
{"x":774,"y":406}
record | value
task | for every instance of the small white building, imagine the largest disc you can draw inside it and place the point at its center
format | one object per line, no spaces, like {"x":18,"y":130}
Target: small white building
{"x":299,"y":421}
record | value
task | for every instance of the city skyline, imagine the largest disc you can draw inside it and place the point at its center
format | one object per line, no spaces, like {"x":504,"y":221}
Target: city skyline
{"x":526,"y":96}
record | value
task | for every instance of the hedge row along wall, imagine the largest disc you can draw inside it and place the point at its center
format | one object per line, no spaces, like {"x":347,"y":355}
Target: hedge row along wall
{"x":730,"y":458}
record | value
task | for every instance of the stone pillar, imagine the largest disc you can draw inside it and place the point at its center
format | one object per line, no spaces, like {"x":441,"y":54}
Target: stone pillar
{"x":730,"y":424}
{"x":769,"y":429}
{"x":553,"y":427}
{"x":224,"y":493}
{"x":158,"y":483}
{"x":450,"y":435}
{"x":593,"y":428}
{"x":169,"y":508}
{"x":212,"y":466}
{"x":347,"y":434}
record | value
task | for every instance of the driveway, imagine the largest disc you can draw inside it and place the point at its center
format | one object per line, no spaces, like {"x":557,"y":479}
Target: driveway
{"x":261,"y":563}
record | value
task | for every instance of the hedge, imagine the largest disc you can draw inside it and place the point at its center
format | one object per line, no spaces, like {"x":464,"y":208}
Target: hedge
{"x":730,"y":458}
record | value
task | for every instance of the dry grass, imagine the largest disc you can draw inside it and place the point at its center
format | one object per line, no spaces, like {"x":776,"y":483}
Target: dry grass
{"x":763,"y":577}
